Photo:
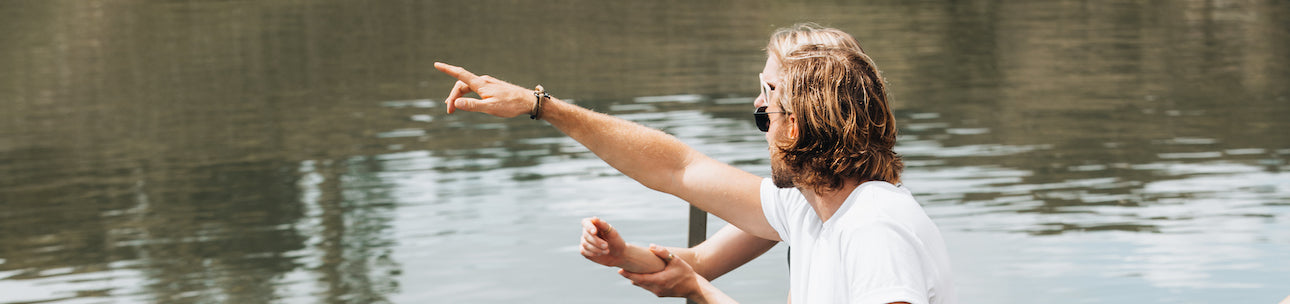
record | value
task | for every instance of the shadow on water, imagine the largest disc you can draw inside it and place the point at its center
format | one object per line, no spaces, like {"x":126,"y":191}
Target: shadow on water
{"x":295,"y":151}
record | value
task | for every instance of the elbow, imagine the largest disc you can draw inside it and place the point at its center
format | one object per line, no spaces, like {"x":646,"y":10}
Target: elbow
{"x":670,"y":180}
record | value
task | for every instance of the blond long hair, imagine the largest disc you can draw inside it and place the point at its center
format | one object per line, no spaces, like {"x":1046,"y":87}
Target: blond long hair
{"x":846,"y":129}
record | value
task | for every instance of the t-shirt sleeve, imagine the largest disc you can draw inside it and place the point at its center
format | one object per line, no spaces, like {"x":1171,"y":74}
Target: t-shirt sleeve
{"x":883,"y":265}
{"x":774,"y":209}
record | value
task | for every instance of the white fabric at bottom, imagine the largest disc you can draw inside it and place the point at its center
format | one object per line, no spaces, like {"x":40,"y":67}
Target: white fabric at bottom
{"x":879,"y":247}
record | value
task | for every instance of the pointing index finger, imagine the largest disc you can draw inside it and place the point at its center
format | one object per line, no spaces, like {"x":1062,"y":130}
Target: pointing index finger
{"x":457,"y":72}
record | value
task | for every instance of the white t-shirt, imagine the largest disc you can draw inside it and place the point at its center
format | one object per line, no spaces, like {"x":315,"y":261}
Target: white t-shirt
{"x":879,"y":247}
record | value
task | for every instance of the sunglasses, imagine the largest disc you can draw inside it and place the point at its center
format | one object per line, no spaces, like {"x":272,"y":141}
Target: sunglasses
{"x":761,"y":117}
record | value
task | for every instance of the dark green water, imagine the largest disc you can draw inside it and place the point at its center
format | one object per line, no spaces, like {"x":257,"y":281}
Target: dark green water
{"x":297,"y":151}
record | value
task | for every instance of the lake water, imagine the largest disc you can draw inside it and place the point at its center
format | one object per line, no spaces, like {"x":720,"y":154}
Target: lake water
{"x":297,"y":151}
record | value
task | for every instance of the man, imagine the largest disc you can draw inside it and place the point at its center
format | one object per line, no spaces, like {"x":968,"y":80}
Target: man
{"x":730,"y":247}
{"x":856,"y":237}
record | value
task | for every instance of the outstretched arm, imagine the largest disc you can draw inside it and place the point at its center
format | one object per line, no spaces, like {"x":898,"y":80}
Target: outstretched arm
{"x":651,"y":157}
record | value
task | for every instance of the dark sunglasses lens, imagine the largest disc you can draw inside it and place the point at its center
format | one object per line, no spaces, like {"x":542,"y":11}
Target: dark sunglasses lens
{"x":762,"y":119}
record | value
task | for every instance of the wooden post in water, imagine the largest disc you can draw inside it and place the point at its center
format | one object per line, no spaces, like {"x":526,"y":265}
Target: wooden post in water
{"x":698,"y":230}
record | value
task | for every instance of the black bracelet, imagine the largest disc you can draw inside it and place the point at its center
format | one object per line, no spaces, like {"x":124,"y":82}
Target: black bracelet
{"x":538,"y":94}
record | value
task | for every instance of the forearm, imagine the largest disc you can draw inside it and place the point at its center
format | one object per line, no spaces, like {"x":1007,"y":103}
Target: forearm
{"x":663,"y":163}
{"x":638,"y":259}
{"x":647,"y":155}
{"x":709,"y":294}
{"x":726,"y":250}
{"x":651,"y":157}
{"x":690,"y":256}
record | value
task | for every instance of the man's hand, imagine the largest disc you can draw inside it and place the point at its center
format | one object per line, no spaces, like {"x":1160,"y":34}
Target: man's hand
{"x":497,"y":98}
{"x":601,"y":243}
{"x":676,"y":280}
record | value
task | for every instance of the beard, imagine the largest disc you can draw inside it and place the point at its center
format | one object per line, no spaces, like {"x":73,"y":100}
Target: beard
{"x":782,"y":177}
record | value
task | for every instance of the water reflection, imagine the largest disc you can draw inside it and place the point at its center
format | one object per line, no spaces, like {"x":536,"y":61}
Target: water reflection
{"x":188,"y":232}
{"x":481,"y":212}
{"x":286,"y":151}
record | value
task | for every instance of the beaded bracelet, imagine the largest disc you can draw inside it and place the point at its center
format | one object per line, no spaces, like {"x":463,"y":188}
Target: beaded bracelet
{"x":538,"y":93}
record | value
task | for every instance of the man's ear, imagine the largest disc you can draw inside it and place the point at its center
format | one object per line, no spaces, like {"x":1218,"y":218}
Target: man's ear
{"x":792,"y":127}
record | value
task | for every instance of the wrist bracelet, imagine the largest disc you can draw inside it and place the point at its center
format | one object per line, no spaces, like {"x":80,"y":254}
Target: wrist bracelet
{"x":538,"y":94}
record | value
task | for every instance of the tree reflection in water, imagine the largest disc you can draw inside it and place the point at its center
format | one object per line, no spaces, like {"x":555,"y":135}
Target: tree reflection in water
{"x":286,"y":151}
